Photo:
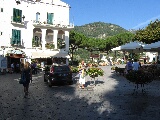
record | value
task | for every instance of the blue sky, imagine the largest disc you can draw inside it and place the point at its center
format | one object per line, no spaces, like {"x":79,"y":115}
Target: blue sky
{"x":129,"y":14}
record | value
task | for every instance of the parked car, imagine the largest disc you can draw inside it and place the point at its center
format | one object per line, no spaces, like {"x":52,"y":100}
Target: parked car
{"x":58,"y":74}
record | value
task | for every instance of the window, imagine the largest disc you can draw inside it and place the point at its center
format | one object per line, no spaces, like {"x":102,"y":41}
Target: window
{"x":17,"y":15}
{"x":0,"y":33}
{"x":49,"y":18}
{"x":1,"y":9}
{"x":37,"y":17}
{"x":16,"y":37}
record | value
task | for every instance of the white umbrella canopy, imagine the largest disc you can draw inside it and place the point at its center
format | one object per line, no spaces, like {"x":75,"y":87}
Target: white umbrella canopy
{"x":132,"y":46}
{"x":152,"y":47}
{"x":155,"y":45}
{"x":116,"y":49}
{"x":136,"y":50}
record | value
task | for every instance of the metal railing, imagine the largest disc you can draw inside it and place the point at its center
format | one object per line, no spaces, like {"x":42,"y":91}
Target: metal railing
{"x":17,"y":20}
{"x":45,"y":23}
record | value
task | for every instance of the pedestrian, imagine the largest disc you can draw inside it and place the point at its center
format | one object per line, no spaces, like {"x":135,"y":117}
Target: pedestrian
{"x":26,"y":70}
{"x":135,"y":65}
{"x":129,"y":65}
{"x":17,"y":68}
{"x":122,"y":61}
{"x":35,"y":67}
{"x":12,"y":68}
{"x":140,"y":64}
{"x":81,"y":69}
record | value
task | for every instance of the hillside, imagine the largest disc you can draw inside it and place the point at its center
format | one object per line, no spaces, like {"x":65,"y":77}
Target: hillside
{"x":99,"y":29}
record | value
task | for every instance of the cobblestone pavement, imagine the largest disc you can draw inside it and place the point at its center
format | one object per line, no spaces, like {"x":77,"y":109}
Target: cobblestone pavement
{"x":110,"y":99}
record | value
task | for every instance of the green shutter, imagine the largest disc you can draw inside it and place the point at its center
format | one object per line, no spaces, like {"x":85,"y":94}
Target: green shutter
{"x":17,"y":15}
{"x":47,"y":18}
{"x":18,"y":37}
{"x":51,"y":18}
{"x":14,"y":15}
{"x":20,"y":16}
{"x":13,"y":37}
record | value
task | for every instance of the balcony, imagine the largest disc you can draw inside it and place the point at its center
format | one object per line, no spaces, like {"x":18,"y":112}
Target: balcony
{"x":46,"y":25}
{"x":19,"y":21}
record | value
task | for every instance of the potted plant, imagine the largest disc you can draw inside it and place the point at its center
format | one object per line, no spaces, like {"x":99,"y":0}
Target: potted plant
{"x":94,"y":72}
{"x":74,"y":69}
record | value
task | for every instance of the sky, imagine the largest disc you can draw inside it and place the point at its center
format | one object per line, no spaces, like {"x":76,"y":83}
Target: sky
{"x":129,"y":14}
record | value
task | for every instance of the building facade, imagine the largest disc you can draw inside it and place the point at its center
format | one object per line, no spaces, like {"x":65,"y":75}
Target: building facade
{"x":34,"y":28}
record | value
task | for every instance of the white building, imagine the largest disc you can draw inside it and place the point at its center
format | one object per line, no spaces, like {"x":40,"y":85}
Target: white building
{"x":34,"y":28}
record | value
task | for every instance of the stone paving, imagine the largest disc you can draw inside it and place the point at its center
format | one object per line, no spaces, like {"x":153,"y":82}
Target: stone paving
{"x":111,"y":99}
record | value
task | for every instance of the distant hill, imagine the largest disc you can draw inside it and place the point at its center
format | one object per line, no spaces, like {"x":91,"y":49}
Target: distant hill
{"x":99,"y":29}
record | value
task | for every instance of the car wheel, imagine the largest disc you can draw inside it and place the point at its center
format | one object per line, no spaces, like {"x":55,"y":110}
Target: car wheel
{"x":49,"y":84}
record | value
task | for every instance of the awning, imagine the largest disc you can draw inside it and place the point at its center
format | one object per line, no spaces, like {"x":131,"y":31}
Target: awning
{"x":48,"y":54}
{"x":15,"y":53}
{"x":61,"y":55}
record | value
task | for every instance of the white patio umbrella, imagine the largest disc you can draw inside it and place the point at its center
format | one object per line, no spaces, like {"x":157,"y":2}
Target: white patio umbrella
{"x":130,"y":46}
{"x":155,"y":45}
{"x":152,"y":47}
{"x":134,"y":47}
{"x":116,"y":49}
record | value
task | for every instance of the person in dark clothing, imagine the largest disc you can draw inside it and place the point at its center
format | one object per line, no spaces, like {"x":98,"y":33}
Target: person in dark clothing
{"x":28,"y":77}
{"x":17,"y":67}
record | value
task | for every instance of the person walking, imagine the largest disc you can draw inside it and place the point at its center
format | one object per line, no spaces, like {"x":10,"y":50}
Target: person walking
{"x":81,"y":69}
{"x":27,"y":72}
{"x":135,"y":65}
{"x":129,"y":65}
{"x":12,"y":68}
{"x":17,"y":68}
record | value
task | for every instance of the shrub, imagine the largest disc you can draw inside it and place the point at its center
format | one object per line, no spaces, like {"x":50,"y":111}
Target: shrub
{"x":139,"y":77}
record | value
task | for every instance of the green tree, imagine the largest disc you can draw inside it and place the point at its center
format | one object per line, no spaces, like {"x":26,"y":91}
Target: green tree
{"x":75,"y":42}
{"x":149,"y":34}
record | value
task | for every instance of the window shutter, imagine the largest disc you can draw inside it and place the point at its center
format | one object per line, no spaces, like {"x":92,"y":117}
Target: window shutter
{"x":13,"y":37}
{"x":19,"y":37}
{"x":1,"y":9}
{"x":16,"y":37}
{"x":20,"y":15}
{"x":47,"y":17}
{"x":51,"y":18}
{"x":14,"y":15}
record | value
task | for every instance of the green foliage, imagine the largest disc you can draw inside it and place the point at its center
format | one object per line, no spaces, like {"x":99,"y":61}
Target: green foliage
{"x":95,"y":72}
{"x":81,"y":54}
{"x":149,"y":34}
{"x":74,"y":69}
{"x":61,"y":43}
{"x":139,"y":77}
{"x":94,"y":44}
{"x":99,"y":29}
{"x":33,"y":42}
{"x":49,"y":46}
